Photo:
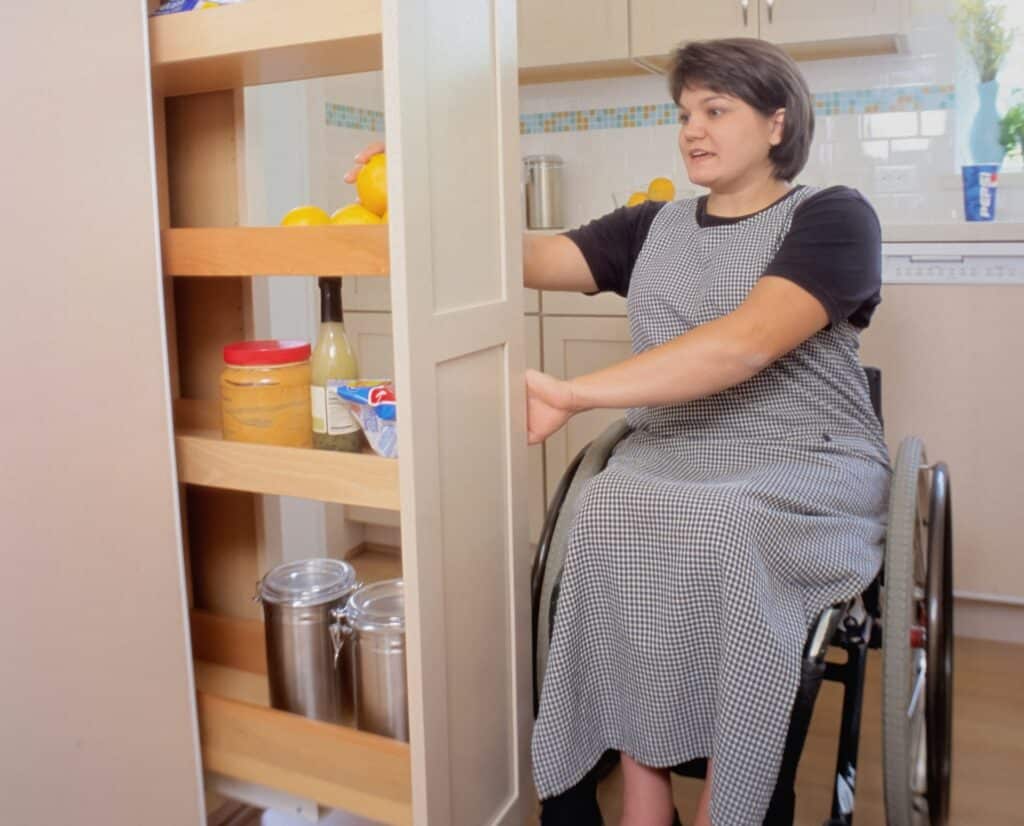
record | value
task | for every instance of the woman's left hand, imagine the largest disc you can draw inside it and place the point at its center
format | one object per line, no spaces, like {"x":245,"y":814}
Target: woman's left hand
{"x":549,"y":404}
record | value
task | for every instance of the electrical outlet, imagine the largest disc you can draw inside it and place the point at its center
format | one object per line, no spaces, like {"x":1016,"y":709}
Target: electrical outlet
{"x":902,"y":178}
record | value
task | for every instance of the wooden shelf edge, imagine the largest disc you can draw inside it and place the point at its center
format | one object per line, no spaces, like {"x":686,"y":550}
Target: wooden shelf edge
{"x":346,"y":478}
{"x":334,"y":765}
{"x":263,"y":41}
{"x":240,"y":251}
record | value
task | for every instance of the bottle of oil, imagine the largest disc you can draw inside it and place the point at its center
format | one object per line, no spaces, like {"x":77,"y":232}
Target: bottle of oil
{"x":334,"y":428}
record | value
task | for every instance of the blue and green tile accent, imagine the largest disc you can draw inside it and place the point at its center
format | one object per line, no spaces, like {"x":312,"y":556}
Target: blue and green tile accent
{"x":917,"y":98}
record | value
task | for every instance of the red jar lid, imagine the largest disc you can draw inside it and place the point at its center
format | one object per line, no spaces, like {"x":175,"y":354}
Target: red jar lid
{"x":267,"y":351}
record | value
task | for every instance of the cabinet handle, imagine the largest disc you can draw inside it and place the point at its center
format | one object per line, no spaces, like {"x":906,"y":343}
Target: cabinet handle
{"x":745,"y":5}
{"x":771,"y":8}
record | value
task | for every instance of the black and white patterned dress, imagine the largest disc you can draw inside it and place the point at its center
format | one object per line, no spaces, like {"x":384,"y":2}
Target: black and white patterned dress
{"x":720,"y":529}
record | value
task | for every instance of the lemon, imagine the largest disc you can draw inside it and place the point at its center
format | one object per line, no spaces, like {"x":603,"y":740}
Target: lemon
{"x":384,"y":217}
{"x":661,"y":189}
{"x":636,"y":198}
{"x":354,"y":214}
{"x":305,"y":216}
{"x":372,"y":185}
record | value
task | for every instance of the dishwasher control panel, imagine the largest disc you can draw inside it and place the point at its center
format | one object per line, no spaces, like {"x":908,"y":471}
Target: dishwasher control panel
{"x":953,"y":263}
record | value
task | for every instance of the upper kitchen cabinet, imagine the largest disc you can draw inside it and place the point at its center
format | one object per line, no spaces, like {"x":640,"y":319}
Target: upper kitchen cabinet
{"x":573,"y":40}
{"x":658,"y":26}
{"x":807,"y":29}
{"x":814,"y":29}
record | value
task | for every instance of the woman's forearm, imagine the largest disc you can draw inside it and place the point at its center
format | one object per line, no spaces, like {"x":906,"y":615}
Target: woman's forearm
{"x":706,"y":360}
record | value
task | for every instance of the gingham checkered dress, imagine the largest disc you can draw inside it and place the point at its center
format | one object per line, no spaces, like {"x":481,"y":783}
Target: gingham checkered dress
{"x":721,"y":528}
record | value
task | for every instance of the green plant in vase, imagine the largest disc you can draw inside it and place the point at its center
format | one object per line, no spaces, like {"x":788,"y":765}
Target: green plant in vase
{"x":980,"y":27}
{"x":1011,"y":128}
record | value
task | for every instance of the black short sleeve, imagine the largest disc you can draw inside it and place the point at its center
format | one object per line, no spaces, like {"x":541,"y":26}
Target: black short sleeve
{"x":834,"y":251}
{"x":611,"y":244}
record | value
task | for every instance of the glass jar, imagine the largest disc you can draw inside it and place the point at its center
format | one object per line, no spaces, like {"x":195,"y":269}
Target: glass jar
{"x":264,"y":393}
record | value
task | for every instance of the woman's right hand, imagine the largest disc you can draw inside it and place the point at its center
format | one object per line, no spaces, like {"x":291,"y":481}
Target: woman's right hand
{"x":375,"y":148}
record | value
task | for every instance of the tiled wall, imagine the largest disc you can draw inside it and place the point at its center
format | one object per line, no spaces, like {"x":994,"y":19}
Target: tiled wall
{"x":892,"y":126}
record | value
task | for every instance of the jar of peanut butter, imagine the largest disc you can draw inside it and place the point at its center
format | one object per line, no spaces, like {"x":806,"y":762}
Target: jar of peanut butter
{"x":264,"y":393}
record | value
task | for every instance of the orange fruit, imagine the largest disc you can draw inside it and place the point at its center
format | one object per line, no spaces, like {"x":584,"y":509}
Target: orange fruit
{"x":661,"y":189}
{"x":636,"y":198}
{"x":305,"y":216}
{"x":354,"y":214}
{"x":384,"y":217}
{"x":372,"y":185}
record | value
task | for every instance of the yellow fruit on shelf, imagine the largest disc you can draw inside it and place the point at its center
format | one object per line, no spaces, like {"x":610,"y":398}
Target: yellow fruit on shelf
{"x":354,"y":214}
{"x":636,"y":198}
{"x":305,"y":216}
{"x":372,"y":185}
{"x":661,"y":189}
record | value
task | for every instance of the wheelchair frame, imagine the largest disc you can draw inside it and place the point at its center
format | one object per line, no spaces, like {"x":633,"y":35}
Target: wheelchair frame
{"x":917,"y":711}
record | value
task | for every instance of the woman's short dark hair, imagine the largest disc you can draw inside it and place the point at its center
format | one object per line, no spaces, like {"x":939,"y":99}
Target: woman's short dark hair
{"x":760,"y":74}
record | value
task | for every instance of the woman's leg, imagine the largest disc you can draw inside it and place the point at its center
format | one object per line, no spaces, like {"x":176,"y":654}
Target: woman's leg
{"x":646,"y":795}
{"x":703,"y":806}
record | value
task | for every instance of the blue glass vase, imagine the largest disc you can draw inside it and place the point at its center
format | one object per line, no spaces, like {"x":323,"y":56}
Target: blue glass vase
{"x":985,"y":146}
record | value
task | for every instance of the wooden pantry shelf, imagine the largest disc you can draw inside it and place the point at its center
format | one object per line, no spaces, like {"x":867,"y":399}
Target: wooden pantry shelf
{"x":334,"y":765}
{"x":348,"y":478}
{"x":330,"y":250}
{"x":263,"y":41}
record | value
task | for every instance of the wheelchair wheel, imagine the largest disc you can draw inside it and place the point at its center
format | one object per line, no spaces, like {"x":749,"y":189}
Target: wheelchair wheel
{"x":917,"y":653}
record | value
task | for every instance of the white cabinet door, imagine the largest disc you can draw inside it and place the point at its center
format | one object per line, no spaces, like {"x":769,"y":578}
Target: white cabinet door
{"x":658,"y":26}
{"x":572,"y":31}
{"x":790,"y":22}
{"x":374,"y":295}
{"x":573,"y":347}
{"x":563,"y":303}
{"x":372,"y":340}
{"x":535,"y":458}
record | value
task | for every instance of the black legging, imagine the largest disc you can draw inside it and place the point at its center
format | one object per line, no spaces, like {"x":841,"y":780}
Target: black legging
{"x":578,"y":806}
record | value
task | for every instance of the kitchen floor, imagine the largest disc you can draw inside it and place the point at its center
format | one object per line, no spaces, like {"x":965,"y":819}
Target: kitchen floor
{"x":988,"y":747}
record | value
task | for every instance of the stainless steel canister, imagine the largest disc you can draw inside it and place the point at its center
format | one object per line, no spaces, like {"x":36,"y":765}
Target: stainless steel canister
{"x":374,"y":623}
{"x":307,"y":666}
{"x":544,"y":195}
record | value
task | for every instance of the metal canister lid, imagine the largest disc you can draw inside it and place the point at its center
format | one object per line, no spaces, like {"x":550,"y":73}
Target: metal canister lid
{"x":378,"y":607}
{"x":307,"y":582}
{"x":543,"y":160}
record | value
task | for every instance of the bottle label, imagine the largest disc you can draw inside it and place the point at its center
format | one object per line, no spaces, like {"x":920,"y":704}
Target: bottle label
{"x":340,"y":421}
{"x":318,"y":397}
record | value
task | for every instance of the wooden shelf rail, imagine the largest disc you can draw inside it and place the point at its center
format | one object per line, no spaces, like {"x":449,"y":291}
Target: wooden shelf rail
{"x":263,"y":41}
{"x":330,"y":250}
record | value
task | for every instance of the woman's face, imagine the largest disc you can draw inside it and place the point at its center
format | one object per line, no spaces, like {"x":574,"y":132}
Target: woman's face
{"x":725,"y":141}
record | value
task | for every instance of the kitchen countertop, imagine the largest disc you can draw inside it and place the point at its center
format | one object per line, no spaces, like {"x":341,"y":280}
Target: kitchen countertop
{"x":977,"y":231}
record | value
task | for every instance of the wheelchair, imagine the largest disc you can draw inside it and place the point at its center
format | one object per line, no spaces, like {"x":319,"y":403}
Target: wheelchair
{"x":908,"y":607}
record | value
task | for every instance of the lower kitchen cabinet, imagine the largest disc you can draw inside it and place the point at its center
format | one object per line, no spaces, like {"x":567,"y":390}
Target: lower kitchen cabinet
{"x":574,"y":346}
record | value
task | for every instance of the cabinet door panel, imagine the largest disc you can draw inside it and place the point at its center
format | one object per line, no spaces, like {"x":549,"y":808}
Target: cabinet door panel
{"x":816,"y":21}
{"x":572,"y":31}
{"x":573,"y":347}
{"x":535,"y":457}
{"x":658,"y":26}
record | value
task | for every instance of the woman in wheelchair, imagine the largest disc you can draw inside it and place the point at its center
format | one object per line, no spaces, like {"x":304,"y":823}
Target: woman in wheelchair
{"x":751,"y":491}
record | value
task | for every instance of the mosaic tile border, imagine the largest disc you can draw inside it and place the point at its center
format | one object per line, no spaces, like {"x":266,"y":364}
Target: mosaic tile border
{"x":850,"y":102}
{"x":352,"y":117}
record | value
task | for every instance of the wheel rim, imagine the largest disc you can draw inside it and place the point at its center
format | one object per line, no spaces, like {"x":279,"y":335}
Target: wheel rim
{"x":939,"y":707}
{"x":904,"y":631}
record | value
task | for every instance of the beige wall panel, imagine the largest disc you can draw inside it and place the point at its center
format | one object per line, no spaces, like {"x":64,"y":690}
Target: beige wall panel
{"x":98,"y":718}
{"x":572,"y":31}
{"x":950,"y":360}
